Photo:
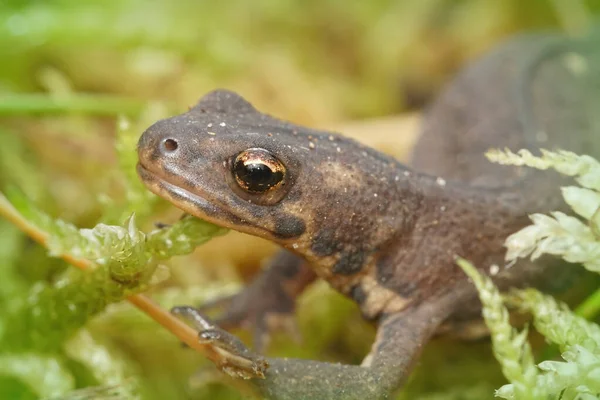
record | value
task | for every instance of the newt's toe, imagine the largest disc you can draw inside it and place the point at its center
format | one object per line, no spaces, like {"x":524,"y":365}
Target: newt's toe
{"x":231,"y":355}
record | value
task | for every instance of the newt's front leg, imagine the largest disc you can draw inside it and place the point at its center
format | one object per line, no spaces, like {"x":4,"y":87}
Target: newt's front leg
{"x":400,"y":339}
{"x":269,"y":302}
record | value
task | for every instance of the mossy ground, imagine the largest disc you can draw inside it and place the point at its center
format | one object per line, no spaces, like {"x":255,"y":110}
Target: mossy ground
{"x":69,"y":68}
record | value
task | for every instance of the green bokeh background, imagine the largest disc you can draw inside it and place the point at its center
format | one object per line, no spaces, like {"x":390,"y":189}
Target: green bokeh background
{"x":68,"y":67}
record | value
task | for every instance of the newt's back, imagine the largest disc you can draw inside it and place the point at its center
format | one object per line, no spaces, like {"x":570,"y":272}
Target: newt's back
{"x":534,"y":91}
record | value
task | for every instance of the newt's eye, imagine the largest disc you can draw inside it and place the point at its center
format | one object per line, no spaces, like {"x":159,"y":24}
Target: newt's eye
{"x":257,"y":170}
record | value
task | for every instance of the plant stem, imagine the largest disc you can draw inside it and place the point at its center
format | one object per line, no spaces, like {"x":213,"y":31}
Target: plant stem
{"x":185,"y":333}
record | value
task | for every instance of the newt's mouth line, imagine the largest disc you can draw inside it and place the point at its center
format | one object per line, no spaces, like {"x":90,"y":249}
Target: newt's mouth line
{"x":149,"y":177}
{"x":191,"y":202}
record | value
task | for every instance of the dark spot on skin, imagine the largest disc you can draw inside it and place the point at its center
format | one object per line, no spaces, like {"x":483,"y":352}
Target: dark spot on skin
{"x":323,"y":243}
{"x":350,"y":262}
{"x":288,"y":226}
{"x":357,"y":293}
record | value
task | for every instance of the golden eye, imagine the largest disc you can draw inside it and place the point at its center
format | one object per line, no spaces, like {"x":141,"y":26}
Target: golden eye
{"x":257,"y":170}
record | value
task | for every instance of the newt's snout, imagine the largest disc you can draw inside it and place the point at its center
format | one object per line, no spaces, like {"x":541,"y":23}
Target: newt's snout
{"x":157,"y":143}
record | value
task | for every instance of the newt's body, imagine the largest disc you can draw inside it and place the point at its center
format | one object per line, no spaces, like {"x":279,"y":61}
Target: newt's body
{"x":383,"y":234}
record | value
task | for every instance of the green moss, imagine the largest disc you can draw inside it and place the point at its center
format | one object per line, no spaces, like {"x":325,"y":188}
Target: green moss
{"x":578,"y":374}
{"x":72,"y":70}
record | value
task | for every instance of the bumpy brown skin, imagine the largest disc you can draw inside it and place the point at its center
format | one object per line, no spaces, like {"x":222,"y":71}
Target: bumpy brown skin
{"x":376,"y":230}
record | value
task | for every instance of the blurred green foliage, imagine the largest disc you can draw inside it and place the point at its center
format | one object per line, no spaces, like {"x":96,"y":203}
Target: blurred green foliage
{"x":70,"y":68}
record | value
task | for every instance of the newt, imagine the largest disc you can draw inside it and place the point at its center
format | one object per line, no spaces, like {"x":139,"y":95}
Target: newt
{"x":380,"y":232}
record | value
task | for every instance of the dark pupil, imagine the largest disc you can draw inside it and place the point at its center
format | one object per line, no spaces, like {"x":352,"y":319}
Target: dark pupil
{"x":258,"y":177}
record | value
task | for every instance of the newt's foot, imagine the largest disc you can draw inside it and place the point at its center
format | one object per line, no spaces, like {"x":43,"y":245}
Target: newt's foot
{"x":262,"y":307}
{"x":231,"y":355}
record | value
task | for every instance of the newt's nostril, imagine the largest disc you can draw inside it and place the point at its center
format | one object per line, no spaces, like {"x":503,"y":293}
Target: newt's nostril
{"x":170,"y":145}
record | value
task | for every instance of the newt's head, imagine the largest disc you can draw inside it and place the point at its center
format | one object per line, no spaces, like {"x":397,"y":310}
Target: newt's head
{"x":225,"y":162}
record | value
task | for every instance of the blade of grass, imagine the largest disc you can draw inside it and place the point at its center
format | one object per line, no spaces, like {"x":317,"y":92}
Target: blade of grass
{"x":590,"y":308}
{"x":40,"y":103}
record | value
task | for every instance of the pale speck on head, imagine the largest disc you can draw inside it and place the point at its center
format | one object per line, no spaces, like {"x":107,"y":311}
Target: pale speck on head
{"x":374,"y":194}
{"x":440,"y":181}
{"x":311,"y":145}
{"x":443,"y":208}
